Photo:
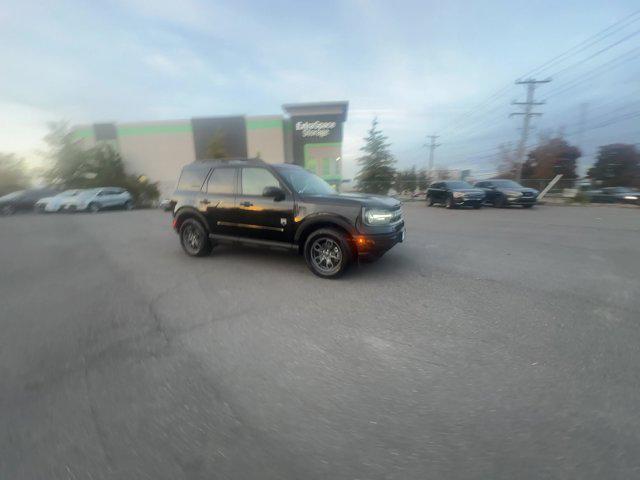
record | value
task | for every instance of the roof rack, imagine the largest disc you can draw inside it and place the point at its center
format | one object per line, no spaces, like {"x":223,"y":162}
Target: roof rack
{"x":231,"y":160}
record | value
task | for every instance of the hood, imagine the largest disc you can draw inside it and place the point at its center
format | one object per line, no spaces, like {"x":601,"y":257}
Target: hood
{"x":363,"y":199}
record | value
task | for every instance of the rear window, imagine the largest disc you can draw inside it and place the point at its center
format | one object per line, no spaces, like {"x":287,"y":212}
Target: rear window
{"x":192,"y":179}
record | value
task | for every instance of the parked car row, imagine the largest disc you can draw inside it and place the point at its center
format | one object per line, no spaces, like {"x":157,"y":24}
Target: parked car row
{"x":496,"y":192}
{"x":48,"y":200}
{"x":614,"y":195}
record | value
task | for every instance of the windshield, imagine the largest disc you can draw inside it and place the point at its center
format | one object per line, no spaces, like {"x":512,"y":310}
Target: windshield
{"x":12,"y":195}
{"x":87,"y":193}
{"x":69,"y":193}
{"x":458,"y":185}
{"x":506,"y":183}
{"x":305,"y":182}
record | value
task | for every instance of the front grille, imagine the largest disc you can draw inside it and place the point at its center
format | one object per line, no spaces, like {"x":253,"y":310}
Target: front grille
{"x":527,"y":194}
{"x":397,"y":215}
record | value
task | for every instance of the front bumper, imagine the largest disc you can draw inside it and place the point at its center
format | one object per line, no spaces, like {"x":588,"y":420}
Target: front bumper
{"x":468,"y":201}
{"x":375,"y":245}
{"x":521,"y":200}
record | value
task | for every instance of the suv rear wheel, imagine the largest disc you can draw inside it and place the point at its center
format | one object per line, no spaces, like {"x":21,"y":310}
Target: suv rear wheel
{"x":194,"y":239}
{"x":327,"y":253}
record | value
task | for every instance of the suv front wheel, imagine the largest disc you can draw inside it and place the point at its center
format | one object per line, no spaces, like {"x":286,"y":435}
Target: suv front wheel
{"x":194,"y":239}
{"x":327,"y":253}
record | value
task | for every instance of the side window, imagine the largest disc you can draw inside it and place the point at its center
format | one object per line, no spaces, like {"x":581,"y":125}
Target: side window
{"x":255,"y":180}
{"x":192,"y":179}
{"x":222,"y":181}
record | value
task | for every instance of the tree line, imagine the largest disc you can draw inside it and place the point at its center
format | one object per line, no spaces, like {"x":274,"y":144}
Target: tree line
{"x":616,"y":164}
{"x":71,"y":165}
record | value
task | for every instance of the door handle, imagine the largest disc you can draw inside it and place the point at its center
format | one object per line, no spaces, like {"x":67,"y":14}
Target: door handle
{"x":246,"y":204}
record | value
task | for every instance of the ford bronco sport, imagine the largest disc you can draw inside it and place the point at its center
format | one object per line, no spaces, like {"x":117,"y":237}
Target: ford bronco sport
{"x":249,"y":201}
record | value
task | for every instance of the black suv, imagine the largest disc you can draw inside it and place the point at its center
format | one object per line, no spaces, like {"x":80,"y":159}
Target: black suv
{"x":501,"y":192}
{"x":251,"y":202}
{"x":453,"y":193}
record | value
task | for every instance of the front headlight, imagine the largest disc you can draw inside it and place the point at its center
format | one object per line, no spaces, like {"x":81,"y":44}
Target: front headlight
{"x":377,"y":217}
{"x":458,"y":194}
{"x":630,"y":197}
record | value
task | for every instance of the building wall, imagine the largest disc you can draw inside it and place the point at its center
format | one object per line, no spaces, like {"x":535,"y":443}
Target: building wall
{"x":265,"y":138}
{"x":231,"y":131}
{"x":158,"y":150}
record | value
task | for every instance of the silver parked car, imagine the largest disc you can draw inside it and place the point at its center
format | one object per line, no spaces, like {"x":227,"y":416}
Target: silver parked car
{"x":96,"y":199}
{"x":54,"y":204}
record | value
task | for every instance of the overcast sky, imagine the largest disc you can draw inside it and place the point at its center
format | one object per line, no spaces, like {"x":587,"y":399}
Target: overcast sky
{"x":419,"y":66}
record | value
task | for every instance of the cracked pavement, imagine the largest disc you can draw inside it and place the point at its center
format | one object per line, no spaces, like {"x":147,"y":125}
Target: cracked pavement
{"x":492,"y":344}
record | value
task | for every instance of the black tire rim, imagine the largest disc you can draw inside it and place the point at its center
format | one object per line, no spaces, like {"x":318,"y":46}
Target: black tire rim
{"x":93,"y":208}
{"x":128,"y":206}
{"x":326,"y":255}
{"x":192,"y":239}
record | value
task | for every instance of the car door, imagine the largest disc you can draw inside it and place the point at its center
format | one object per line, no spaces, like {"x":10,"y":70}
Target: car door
{"x":489,"y":191}
{"x":119,"y":197}
{"x":219,"y":200}
{"x":103,"y":198}
{"x":259,"y":216}
{"x":436,"y":192}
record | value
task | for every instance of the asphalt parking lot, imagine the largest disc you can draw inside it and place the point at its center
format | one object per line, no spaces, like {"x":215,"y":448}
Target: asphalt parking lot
{"x":492,"y":344}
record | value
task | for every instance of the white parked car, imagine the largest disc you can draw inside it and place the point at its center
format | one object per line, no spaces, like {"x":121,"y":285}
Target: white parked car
{"x":97,"y":199}
{"x":54,"y":204}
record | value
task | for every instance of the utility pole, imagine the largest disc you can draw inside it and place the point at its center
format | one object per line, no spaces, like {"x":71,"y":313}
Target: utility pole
{"x":432,"y":146}
{"x":531,"y":84}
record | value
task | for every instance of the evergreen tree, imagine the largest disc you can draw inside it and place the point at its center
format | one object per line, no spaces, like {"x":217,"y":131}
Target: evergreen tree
{"x":376,"y":166}
{"x":617,"y":165}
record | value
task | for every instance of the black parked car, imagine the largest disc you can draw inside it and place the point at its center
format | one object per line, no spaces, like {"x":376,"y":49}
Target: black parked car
{"x":453,"y":193}
{"x":502,"y":193}
{"x":283,"y":205}
{"x":23,"y":199}
{"x":614,"y":195}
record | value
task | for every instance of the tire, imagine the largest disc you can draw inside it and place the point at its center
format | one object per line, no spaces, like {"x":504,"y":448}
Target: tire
{"x":477,"y":206}
{"x":128,"y":205}
{"x":194,"y":238}
{"x":528,"y":206}
{"x":430,"y":201}
{"x":328,"y":253}
{"x":450,"y":203}
{"x":93,"y":207}
{"x":500,"y":202}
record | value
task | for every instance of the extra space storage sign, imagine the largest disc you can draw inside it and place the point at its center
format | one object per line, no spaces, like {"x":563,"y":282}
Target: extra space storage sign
{"x":314,"y":129}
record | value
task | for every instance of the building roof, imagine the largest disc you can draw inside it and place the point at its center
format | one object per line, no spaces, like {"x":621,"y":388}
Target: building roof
{"x":318,"y":108}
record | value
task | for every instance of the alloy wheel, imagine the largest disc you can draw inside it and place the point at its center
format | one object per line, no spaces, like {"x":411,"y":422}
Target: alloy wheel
{"x":326,"y":255}
{"x":192,"y":238}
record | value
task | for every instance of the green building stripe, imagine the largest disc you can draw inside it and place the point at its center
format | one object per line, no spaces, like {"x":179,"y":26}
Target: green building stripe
{"x":124,"y":131}
{"x":82,"y":133}
{"x":261,"y":123}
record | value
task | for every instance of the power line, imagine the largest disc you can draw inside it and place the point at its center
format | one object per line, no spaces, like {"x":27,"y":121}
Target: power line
{"x":601,"y":35}
{"x":608,"y":47}
{"x":600,"y":69}
{"x":594,"y":39}
{"x":432,"y":147}
{"x":526,"y":114}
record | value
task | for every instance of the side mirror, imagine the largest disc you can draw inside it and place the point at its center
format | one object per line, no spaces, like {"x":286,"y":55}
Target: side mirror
{"x":276,"y":192}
